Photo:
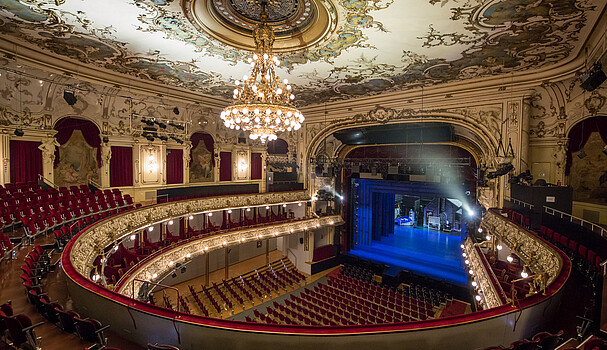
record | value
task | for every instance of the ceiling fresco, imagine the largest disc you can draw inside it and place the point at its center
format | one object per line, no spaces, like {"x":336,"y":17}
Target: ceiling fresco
{"x":354,"y":47}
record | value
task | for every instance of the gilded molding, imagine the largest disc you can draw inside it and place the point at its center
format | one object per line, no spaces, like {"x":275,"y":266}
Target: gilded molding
{"x":94,"y":239}
{"x":543,"y":261}
{"x":481,"y":276}
{"x":159,"y":264}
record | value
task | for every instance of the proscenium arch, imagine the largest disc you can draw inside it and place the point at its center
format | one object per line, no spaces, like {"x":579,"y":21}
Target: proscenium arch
{"x":489,"y":141}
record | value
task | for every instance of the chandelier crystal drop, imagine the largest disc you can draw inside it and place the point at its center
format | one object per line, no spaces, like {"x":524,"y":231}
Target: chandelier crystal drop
{"x":262,"y":101}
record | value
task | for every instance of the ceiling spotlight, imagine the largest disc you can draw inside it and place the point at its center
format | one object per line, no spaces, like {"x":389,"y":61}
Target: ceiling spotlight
{"x":582,"y":154}
{"x":19,"y":132}
{"x":171,"y":263}
{"x":70,"y":98}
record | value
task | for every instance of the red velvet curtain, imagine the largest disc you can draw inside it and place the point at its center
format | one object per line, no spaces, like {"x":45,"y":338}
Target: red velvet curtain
{"x":278,"y":146}
{"x":26,"y":161}
{"x":209,"y":143}
{"x":225,"y":167}
{"x":121,"y":166}
{"x":174,"y":166}
{"x":66,"y":126}
{"x":256,"y":166}
{"x":579,"y":134}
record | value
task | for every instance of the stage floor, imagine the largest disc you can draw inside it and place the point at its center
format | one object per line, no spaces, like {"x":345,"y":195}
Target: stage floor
{"x":423,"y":251}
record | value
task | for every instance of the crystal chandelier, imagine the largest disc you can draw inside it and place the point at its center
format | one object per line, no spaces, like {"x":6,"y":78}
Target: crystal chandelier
{"x":262,"y":102}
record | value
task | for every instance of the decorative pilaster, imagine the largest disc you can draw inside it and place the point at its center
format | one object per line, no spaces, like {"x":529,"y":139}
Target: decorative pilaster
{"x":217,"y":164}
{"x":106,"y":156}
{"x":48,"y":156}
{"x":5,"y":158}
{"x":264,"y":174}
{"x":187,"y":147}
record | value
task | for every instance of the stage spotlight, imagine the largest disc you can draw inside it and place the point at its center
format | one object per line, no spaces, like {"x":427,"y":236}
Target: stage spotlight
{"x":176,"y":111}
{"x":161,"y":125}
{"x":582,"y":154}
{"x":70,"y":98}
{"x":19,"y":132}
{"x":471,"y":213}
{"x":174,"y":274}
{"x":163,"y":138}
{"x":183,"y":269}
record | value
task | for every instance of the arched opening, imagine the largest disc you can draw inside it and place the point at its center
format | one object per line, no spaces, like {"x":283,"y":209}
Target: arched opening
{"x":78,"y":157}
{"x":587,"y":160}
{"x":202,"y":157}
{"x":278,"y":146}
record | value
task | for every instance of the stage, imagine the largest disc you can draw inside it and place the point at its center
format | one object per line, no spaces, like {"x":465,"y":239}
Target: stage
{"x":419,"y":250}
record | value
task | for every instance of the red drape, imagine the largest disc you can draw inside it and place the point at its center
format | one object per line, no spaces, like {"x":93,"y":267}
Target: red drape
{"x":26,"y":161}
{"x":225,"y":167}
{"x":121,"y":166}
{"x":579,"y":134}
{"x":209,"y":143}
{"x":256,"y":166}
{"x":66,"y":126}
{"x":278,"y":146}
{"x":174,"y":166}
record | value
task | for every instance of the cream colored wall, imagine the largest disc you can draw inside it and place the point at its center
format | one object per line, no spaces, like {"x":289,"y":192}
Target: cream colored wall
{"x":578,"y":210}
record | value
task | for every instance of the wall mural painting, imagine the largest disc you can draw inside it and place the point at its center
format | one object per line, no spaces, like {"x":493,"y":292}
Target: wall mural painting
{"x":78,"y":162}
{"x":589,"y":174}
{"x":201,"y":169}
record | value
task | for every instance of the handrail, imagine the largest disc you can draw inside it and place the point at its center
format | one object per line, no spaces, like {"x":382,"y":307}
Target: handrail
{"x":521,"y":203}
{"x":162,"y":195}
{"x":551,"y":211}
{"x":158,"y":285}
{"x":94,"y":183}
{"x":47,"y":181}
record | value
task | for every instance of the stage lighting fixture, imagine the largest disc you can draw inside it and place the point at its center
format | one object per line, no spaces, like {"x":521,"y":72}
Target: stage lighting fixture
{"x":70,"y":98}
{"x":161,"y":125}
{"x":471,"y":213}
{"x":174,"y":274}
{"x":19,"y":132}
{"x":582,"y":154}
{"x":163,"y":138}
{"x":593,"y":78}
{"x":176,"y":111}
{"x":502,"y":169}
{"x":183,"y":269}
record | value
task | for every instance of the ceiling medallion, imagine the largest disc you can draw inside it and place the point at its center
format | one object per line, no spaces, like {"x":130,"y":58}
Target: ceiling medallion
{"x":263,"y":101}
{"x":297,"y":24}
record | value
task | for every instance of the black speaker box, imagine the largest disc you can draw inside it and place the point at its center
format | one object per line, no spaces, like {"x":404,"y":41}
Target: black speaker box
{"x":594,"y":78}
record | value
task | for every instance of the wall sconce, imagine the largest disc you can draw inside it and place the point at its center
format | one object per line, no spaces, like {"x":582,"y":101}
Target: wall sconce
{"x":152,"y":164}
{"x":242,"y":166}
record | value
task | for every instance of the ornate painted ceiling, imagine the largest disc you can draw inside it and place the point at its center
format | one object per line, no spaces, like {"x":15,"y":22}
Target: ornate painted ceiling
{"x":329,"y":49}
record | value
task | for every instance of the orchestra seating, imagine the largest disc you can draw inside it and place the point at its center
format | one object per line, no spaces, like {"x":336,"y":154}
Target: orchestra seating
{"x":278,"y":278}
{"x":346,"y":300}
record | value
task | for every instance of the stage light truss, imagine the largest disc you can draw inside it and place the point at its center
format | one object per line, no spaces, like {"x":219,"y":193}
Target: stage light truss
{"x":347,"y":163}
